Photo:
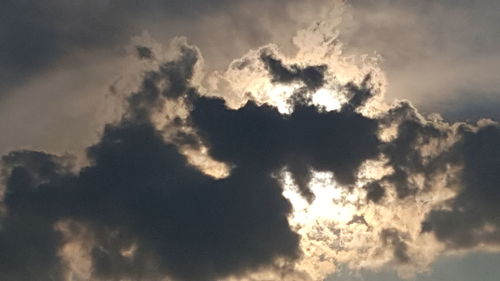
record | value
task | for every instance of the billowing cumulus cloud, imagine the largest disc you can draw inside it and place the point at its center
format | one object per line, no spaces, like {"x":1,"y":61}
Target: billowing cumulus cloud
{"x":282,"y":167}
{"x":140,"y":194}
{"x":471,"y":218}
{"x":259,"y":136}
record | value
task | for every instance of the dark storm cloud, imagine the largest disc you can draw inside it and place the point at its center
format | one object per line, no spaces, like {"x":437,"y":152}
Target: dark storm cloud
{"x":198,"y":228}
{"x":309,"y":138}
{"x":311,"y":76}
{"x":175,"y":74}
{"x":260,"y":137}
{"x":405,"y":156}
{"x":144,"y":52}
{"x":28,"y":243}
{"x":359,"y":94}
{"x":473,"y":218}
{"x":140,"y":195}
{"x":139,"y":192}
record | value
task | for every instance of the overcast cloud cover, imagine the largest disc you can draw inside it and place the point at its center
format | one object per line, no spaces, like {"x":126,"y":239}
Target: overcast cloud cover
{"x":129,"y":154}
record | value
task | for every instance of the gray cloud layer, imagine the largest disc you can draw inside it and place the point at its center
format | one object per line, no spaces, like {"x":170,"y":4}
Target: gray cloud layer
{"x":442,"y":55}
{"x":36,"y":35}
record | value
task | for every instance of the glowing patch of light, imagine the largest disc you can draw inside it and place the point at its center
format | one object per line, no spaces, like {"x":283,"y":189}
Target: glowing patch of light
{"x":327,"y":99}
{"x":278,"y":96}
{"x":321,"y":222}
{"x":332,"y":203}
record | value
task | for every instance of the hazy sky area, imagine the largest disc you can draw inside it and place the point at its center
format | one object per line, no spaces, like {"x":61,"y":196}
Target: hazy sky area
{"x":471,"y":267}
{"x":442,"y":55}
{"x":199,"y":140}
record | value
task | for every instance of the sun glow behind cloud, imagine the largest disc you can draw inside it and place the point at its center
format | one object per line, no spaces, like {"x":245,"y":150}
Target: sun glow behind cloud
{"x":331,"y":203}
{"x":278,"y":95}
{"x":339,"y":226}
{"x":329,"y":99}
{"x":319,"y":222}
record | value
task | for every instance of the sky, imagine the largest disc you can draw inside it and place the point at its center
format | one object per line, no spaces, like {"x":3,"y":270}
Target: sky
{"x":296,"y":140}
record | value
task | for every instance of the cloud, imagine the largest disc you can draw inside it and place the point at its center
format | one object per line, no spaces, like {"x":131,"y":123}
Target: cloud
{"x":311,"y":76}
{"x":28,"y":242}
{"x":176,"y":74}
{"x":260,"y":136}
{"x":38,"y":35}
{"x":472,"y":217}
{"x":393,"y":237}
{"x":439,"y":54}
{"x":419,"y":148}
{"x":303,"y":169}
{"x":150,"y":213}
{"x":139,"y":193}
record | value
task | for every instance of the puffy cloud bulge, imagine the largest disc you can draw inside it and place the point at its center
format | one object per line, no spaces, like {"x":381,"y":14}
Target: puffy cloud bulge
{"x":193,"y":182}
